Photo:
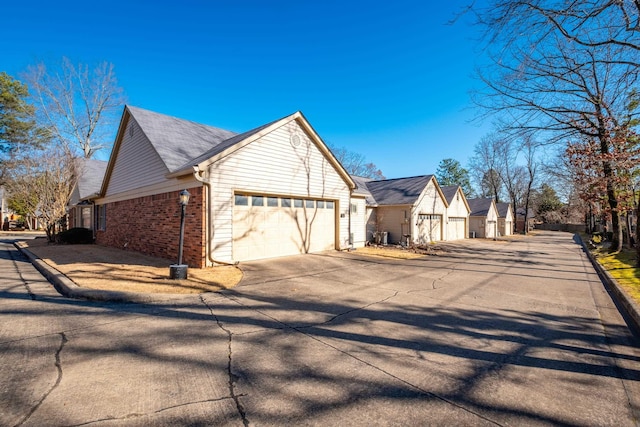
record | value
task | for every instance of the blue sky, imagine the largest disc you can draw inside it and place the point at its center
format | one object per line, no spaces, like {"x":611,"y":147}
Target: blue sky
{"x":389,"y":80}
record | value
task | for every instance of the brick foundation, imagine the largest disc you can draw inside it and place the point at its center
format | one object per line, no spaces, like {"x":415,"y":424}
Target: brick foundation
{"x":151,"y":225}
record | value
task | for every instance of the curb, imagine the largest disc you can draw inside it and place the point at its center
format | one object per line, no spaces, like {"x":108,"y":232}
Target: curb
{"x":68,"y":288}
{"x":630,"y":309}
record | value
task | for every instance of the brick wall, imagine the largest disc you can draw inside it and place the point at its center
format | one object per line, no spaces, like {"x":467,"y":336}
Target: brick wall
{"x":151,"y":225}
{"x":71,"y":218}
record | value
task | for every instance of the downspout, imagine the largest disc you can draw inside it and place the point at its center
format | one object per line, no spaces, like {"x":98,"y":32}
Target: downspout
{"x":349,"y":226}
{"x":198,"y":175}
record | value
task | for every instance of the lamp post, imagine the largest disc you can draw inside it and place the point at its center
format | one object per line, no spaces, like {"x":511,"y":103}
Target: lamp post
{"x":179,"y":270}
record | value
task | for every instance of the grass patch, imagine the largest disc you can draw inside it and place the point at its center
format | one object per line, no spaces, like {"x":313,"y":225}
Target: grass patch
{"x":622,"y":267}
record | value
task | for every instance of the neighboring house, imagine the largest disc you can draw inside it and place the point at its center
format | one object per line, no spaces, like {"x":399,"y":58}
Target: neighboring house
{"x":483,"y":219}
{"x":82,"y":212}
{"x":408,"y":210}
{"x":531,"y":220}
{"x":505,"y":219}
{"x":457,"y":213}
{"x":272,"y":191}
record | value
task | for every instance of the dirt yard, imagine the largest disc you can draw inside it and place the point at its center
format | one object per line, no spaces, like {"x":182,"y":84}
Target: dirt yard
{"x":99,"y":267}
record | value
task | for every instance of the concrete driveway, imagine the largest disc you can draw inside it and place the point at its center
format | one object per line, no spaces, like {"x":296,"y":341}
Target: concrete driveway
{"x":487,"y":333}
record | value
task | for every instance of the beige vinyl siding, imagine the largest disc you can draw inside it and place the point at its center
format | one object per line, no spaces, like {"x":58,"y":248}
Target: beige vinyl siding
{"x":485,"y":226}
{"x":371,"y":223}
{"x":429,"y":203}
{"x":272,"y":165}
{"x":392,"y":220}
{"x":358,"y":222}
{"x":137,"y":163}
{"x":477,"y":226}
{"x":455,"y":227}
{"x":505,"y":227}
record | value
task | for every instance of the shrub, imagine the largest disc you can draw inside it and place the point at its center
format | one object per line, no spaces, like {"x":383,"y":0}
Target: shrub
{"x":75,"y":236}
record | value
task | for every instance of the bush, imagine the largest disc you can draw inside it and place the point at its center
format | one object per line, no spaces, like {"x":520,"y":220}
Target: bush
{"x":75,"y":236}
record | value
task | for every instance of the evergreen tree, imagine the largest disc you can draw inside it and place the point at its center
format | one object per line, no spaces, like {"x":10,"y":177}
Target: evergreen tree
{"x":450,"y":172}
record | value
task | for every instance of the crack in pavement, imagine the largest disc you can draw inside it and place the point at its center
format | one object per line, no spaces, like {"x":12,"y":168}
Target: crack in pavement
{"x":58,"y":365}
{"x":159,"y":411}
{"x":414,"y":386}
{"x":232,"y":377}
{"x":303,"y":330}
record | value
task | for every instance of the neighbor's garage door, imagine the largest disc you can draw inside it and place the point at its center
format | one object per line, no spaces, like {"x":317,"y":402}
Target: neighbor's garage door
{"x":266,"y":226}
{"x":456,"y":228}
{"x":492,"y":229}
{"x":430,"y":228}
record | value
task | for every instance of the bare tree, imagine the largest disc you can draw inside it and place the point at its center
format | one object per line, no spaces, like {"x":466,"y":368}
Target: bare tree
{"x":540,"y":78}
{"x":588,"y":23}
{"x":532,"y":166}
{"x":356,"y":163}
{"x":47,"y":176}
{"x":78,"y":104}
{"x":485,"y":167}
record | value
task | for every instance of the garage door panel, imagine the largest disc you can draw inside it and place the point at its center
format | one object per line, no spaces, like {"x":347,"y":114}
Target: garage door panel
{"x":430,"y":228}
{"x":267,"y":231}
{"x":456,"y":228}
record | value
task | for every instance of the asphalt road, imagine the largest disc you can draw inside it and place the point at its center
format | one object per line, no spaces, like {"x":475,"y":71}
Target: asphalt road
{"x":487,"y":333}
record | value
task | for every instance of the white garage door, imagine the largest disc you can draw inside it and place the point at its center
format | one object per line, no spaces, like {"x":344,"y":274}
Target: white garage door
{"x":429,"y":228}
{"x":456,"y":228}
{"x":267,"y":226}
{"x":492,"y":229}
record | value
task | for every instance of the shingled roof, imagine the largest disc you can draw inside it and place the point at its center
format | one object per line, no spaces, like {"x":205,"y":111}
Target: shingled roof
{"x":399,"y":191}
{"x":480,"y":206}
{"x":177,"y":141}
{"x":449,"y":192}
{"x":90,"y":178}
{"x":363,"y":190}
{"x":503,"y":209}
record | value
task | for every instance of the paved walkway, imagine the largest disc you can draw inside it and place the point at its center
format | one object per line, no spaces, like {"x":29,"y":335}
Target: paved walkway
{"x":488,"y":333}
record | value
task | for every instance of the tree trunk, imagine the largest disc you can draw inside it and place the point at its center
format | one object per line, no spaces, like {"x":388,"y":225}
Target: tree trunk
{"x":609,"y":176}
{"x":627,"y":218}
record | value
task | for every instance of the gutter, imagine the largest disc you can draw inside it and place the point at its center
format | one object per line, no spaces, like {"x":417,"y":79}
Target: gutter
{"x":203,"y":177}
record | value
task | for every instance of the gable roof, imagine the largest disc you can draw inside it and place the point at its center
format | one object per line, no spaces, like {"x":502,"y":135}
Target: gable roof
{"x":503,"y":209}
{"x":480,"y":206}
{"x":185,"y":146}
{"x":91,"y":173}
{"x":399,"y":191}
{"x":449,"y":192}
{"x":177,"y":141}
{"x":362,"y":189}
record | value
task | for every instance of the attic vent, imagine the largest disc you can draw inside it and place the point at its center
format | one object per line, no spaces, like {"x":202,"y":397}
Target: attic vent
{"x":295,"y":140}
{"x":131,"y":130}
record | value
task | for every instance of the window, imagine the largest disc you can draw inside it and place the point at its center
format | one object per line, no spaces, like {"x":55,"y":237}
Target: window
{"x":86,"y":217}
{"x":330,"y":204}
{"x":354,"y":208}
{"x":272,"y":201}
{"x":309,"y":204}
{"x":320,"y":204}
{"x":102,"y":217}
{"x":257,"y":201}
{"x":297,"y":203}
{"x":242,"y":200}
{"x":285,"y":203}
